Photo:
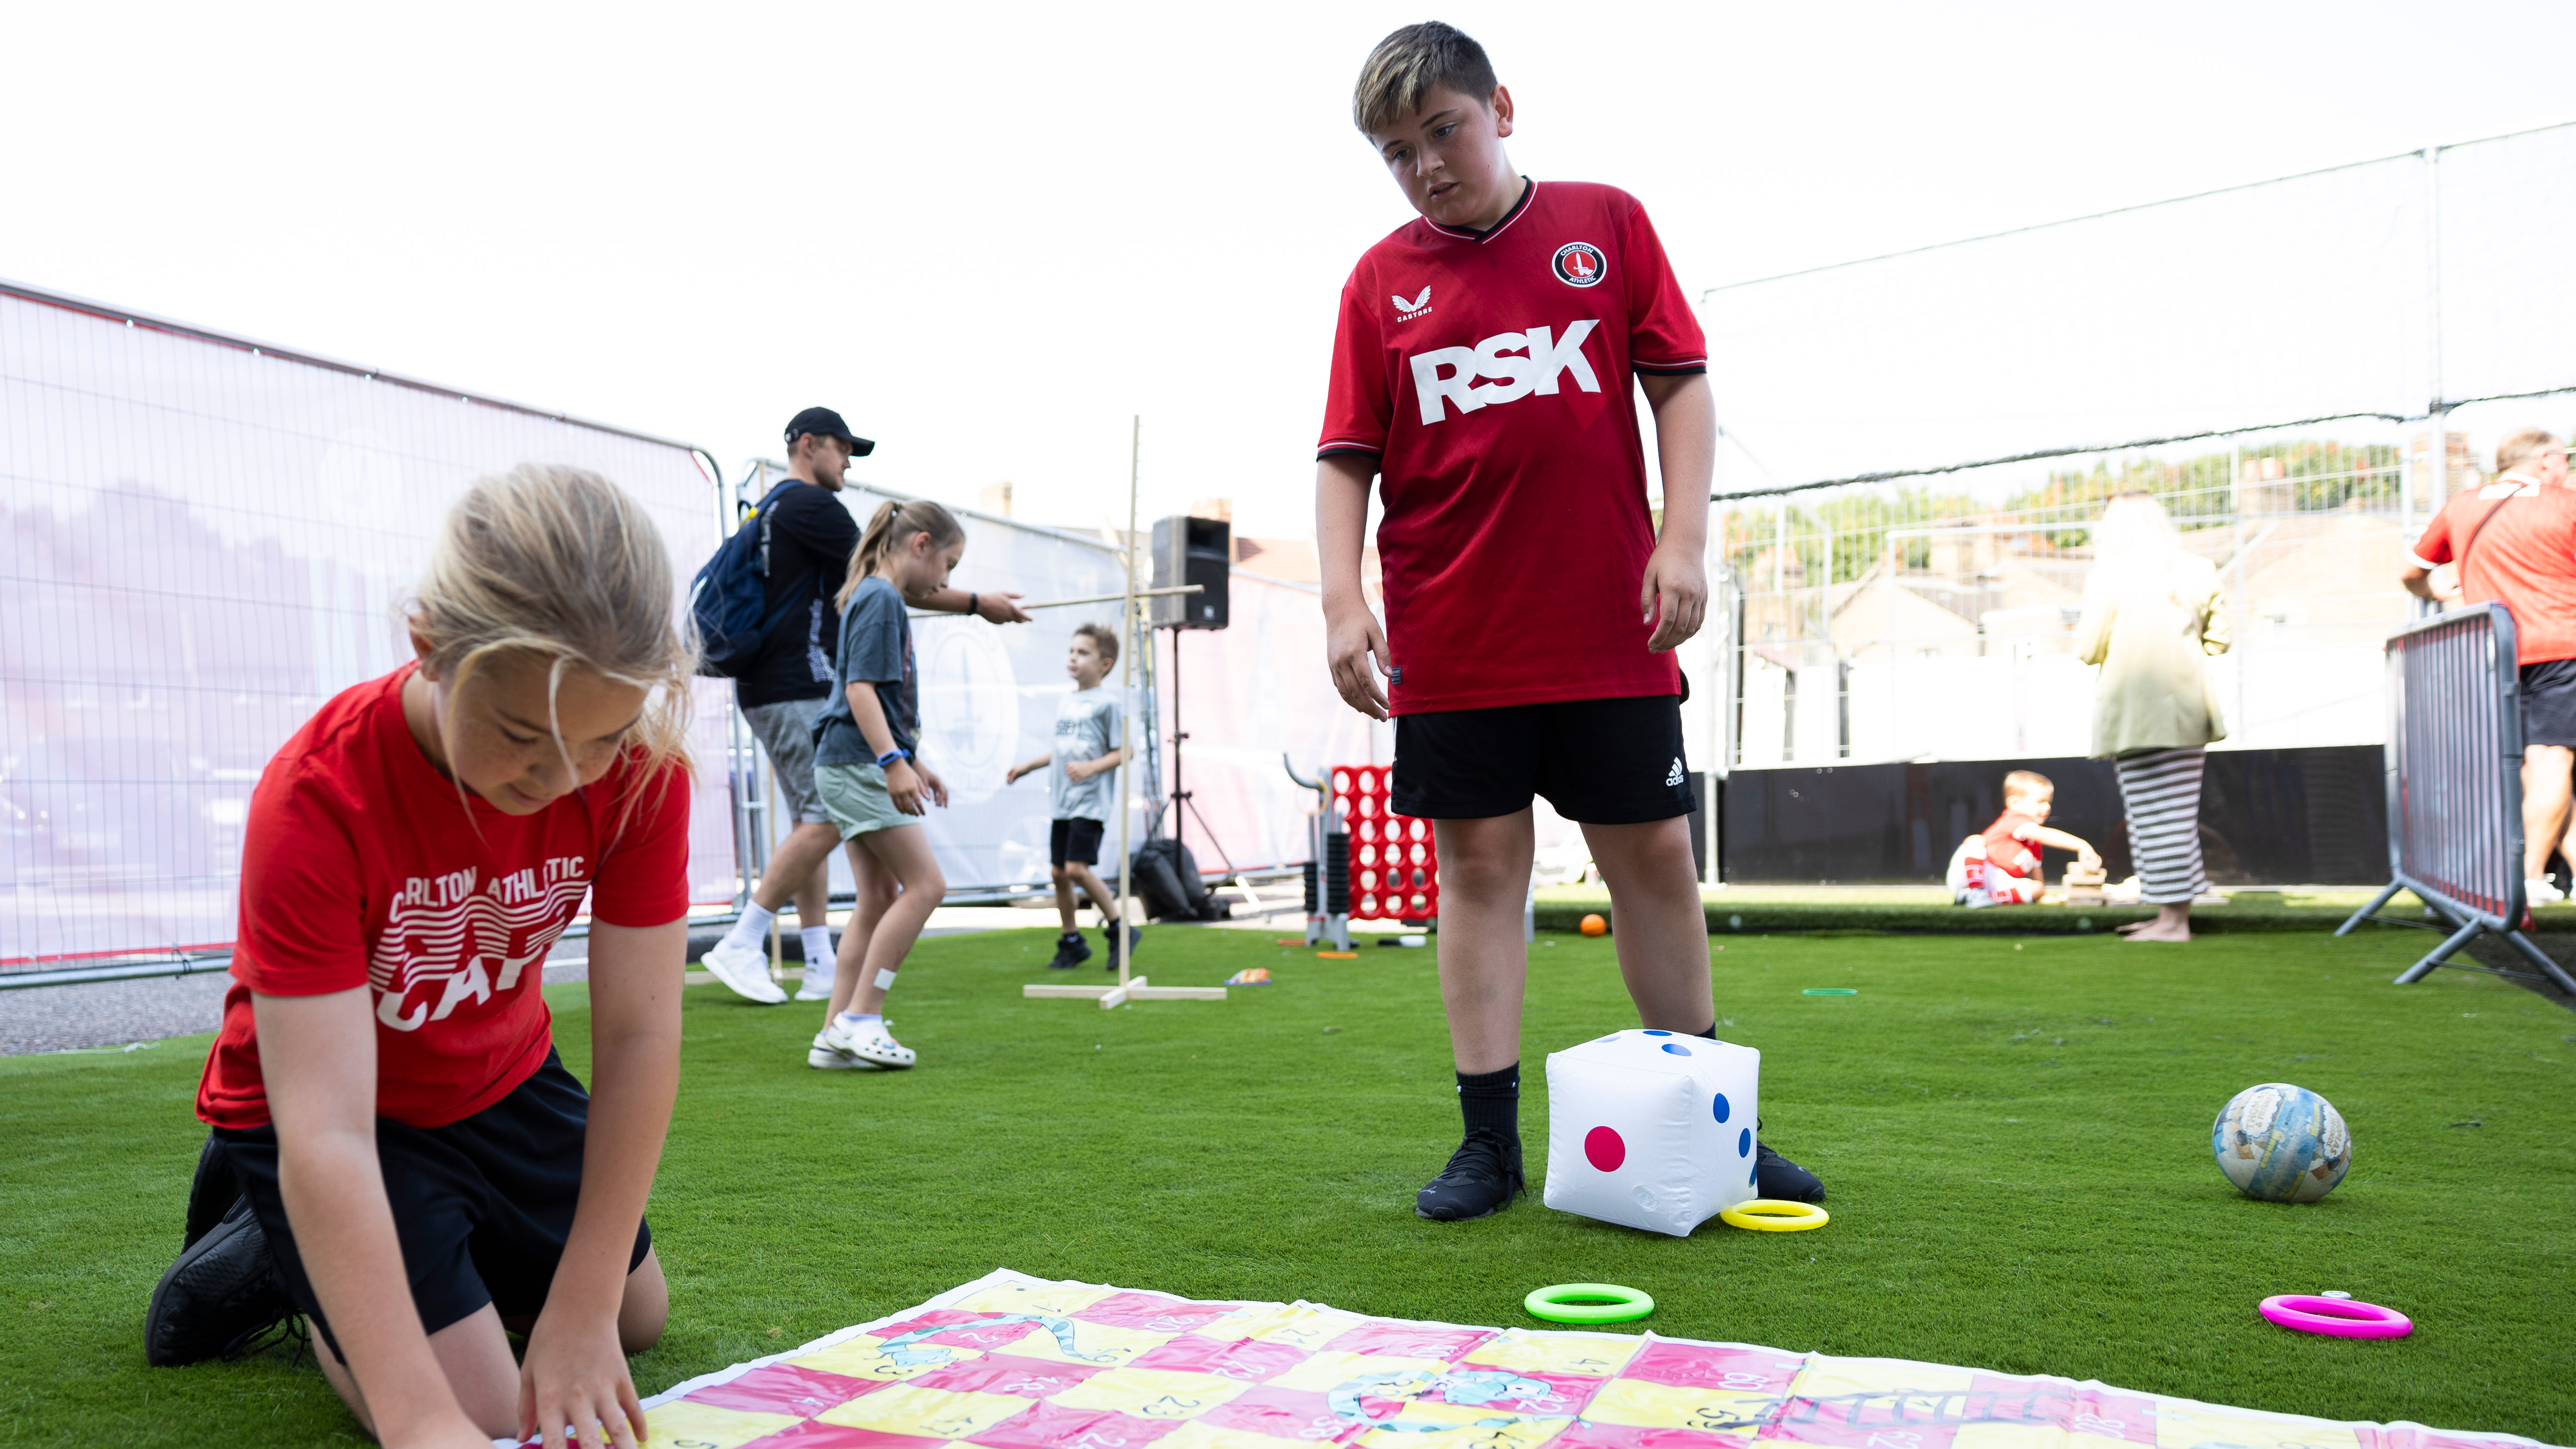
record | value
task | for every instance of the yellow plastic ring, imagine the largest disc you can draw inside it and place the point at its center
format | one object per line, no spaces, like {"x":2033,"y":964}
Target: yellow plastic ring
{"x":1775,"y":1215}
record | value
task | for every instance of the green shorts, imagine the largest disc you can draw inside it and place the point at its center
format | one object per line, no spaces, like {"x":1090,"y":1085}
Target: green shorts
{"x":857,"y":799}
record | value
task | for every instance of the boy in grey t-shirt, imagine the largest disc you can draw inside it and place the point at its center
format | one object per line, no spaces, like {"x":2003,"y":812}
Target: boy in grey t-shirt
{"x":1082,"y":788}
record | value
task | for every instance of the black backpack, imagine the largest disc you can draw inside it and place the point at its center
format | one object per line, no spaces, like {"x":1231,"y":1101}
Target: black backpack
{"x":729,"y":599}
{"x":1167,"y":880}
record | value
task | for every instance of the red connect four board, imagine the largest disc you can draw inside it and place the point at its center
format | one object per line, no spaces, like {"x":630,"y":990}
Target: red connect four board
{"x":1395,"y":865}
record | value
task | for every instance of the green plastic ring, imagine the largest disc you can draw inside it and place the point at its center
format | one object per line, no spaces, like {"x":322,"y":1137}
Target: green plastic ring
{"x":1830,"y":991}
{"x":1587,"y":1303}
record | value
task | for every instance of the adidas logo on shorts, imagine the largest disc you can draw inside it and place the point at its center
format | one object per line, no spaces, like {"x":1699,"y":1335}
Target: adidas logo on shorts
{"x":1675,"y":777}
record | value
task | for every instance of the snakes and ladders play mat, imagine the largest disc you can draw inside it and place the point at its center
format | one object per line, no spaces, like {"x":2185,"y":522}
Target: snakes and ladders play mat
{"x":1014,"y":1362}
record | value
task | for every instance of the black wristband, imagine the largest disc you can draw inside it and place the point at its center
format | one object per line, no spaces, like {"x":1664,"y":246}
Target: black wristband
{"x":970,"y":603}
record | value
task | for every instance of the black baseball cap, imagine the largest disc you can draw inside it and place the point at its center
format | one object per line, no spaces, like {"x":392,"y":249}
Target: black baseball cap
{"x":829,"y":424}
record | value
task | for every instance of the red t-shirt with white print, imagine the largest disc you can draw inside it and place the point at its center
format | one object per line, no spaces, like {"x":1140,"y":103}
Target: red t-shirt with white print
{"x":1516,"y":530}
{"x":361,"y":866}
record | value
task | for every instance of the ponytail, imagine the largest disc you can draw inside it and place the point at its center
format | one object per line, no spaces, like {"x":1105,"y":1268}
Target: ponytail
{"x":889,"y":528}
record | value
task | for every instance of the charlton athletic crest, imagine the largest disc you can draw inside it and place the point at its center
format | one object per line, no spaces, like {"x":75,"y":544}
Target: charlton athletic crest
{"x":1579,"y":264}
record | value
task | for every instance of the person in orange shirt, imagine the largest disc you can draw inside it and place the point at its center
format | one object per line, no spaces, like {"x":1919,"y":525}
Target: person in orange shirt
{"x":2514,"y":541}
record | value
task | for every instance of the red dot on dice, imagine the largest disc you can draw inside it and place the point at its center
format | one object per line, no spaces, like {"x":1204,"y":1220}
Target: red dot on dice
{"x":1603,"y":1149}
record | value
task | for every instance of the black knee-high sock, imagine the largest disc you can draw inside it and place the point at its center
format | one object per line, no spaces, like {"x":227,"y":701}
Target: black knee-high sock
{"x":1492,"y":1101}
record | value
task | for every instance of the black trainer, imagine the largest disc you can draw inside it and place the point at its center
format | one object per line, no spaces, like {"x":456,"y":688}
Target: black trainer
{"x":1481,"y":1179}
{"x":1109,"y":943}
{"x":1070,"y":951}
{"x":222,"y":1294}
{"x":214,"y":1190}
{"x":1775,"y":1176}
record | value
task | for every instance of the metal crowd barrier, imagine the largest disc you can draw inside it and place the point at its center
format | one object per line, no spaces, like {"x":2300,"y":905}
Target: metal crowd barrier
{"x":2455,"y":786}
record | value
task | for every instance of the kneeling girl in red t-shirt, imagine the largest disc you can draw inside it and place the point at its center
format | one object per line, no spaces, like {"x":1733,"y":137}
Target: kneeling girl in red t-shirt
{"x":397,"y":1151}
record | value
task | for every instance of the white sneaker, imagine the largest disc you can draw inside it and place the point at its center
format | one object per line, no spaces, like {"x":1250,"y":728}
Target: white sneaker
{"x":868,"y":1041}
{"x":744,"y":971}
{"x":828,"y":1058}
{"x":2538,"y":891}
{"x":815,"y":987}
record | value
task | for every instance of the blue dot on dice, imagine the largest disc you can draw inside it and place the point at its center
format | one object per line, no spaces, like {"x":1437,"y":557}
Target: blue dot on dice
{"x":1677,"y":1049}
{"x":1744,"y":1143}
{"x":1719,"y":1107}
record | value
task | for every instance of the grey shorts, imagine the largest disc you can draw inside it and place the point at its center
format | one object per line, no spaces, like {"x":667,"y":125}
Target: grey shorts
{"x":856,"y":796}
{"x":786,"y":734}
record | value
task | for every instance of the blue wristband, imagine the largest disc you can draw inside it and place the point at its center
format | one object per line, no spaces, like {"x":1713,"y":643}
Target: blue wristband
{"x":890,"y":756}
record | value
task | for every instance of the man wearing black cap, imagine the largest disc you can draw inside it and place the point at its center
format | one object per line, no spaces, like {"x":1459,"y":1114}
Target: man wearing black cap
{"x":811,"y":538}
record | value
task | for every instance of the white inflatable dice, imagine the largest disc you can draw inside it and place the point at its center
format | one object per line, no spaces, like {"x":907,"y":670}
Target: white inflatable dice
{"x":1651,"y":1129}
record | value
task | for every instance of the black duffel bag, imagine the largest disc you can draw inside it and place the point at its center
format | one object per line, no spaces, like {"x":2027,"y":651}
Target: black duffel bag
{"x":1168,"y":882}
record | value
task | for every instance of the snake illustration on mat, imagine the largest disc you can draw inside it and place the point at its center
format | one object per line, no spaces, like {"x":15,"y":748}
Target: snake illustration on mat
{"x":1473,"y":1389}
{"x":900,"y":1348}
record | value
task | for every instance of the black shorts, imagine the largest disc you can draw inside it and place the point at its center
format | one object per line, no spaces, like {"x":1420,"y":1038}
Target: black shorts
{"x":482,"y":1207}
{"x":1075,"y":840}
{"x":2548,"y":693}
{"x":1598,"y":761}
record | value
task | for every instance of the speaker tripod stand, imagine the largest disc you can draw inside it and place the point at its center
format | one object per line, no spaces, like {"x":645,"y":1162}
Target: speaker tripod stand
{"x":1184,"y":801}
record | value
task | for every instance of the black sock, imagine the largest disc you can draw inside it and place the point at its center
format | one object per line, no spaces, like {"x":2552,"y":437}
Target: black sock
{"x":1711,"y":1033}
{"x":1492,"y":1101}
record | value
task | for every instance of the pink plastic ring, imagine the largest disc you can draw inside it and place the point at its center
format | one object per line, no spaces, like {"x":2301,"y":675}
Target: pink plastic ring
{"x":2336,"y":1317}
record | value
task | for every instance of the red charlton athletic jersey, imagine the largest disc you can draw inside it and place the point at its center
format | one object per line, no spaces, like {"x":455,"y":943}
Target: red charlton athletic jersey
{"x":362,"y":867}
{"x":2526,"y":557}
{"x":1488,"y":373}
{"x":2005,"y":849}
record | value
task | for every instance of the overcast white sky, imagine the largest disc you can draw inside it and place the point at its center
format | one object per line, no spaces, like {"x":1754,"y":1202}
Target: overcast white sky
{"x":988,"y":235}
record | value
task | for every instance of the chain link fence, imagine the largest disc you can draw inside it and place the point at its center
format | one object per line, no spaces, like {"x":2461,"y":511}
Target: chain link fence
{"x":2300,"y":370}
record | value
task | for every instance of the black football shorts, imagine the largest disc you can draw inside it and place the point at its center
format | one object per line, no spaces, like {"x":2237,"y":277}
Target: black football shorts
{"x":1598,"y":761}
{"x":2549,"y":702}
{"x":482,"y":1206}
{"x":1074,"y":842}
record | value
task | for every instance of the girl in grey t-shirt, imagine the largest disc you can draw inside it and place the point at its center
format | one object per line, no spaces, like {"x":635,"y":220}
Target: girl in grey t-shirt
{"x":870,"y":776}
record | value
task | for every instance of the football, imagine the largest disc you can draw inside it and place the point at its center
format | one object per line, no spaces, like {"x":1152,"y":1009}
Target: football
{"x":2281,"y":1143}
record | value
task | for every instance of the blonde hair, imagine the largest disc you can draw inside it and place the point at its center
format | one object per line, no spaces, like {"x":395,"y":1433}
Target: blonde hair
{"x":891,"y":527}
{"x":2520,"y":448}
{"x":1104,"y":640}
{"x":559,"y":564}
{"x":1409,"y":65}
{"x":2028,"y":782}
{"x":2133,"y":528}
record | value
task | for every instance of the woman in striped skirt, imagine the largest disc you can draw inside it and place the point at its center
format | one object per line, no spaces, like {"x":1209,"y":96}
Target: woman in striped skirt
{"x":2153,"y":615}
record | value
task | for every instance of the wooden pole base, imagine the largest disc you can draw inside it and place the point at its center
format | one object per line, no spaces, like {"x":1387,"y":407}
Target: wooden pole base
{"x":1116,"y":995}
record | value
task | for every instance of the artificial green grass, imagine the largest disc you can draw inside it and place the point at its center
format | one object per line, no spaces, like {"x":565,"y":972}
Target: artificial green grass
{"x":2015,"y":1134}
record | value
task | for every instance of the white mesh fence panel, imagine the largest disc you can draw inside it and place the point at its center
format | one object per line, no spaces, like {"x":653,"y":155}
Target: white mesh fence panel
{"x":204,"y":541}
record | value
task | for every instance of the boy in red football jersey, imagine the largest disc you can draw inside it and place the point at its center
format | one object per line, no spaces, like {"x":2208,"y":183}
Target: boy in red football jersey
{"x":1482,"y":369}
{"x":397,"y":1151}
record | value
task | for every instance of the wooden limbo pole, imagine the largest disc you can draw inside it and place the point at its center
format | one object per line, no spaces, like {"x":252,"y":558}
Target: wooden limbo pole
{"x":1128,"y":988}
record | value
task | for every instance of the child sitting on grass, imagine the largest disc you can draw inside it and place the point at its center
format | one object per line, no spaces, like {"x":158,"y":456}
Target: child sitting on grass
{"x":2013,"y":876}
{"x":397,"y":1151}
{"x":867,"y":769}
{"x":1081,"y":788}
